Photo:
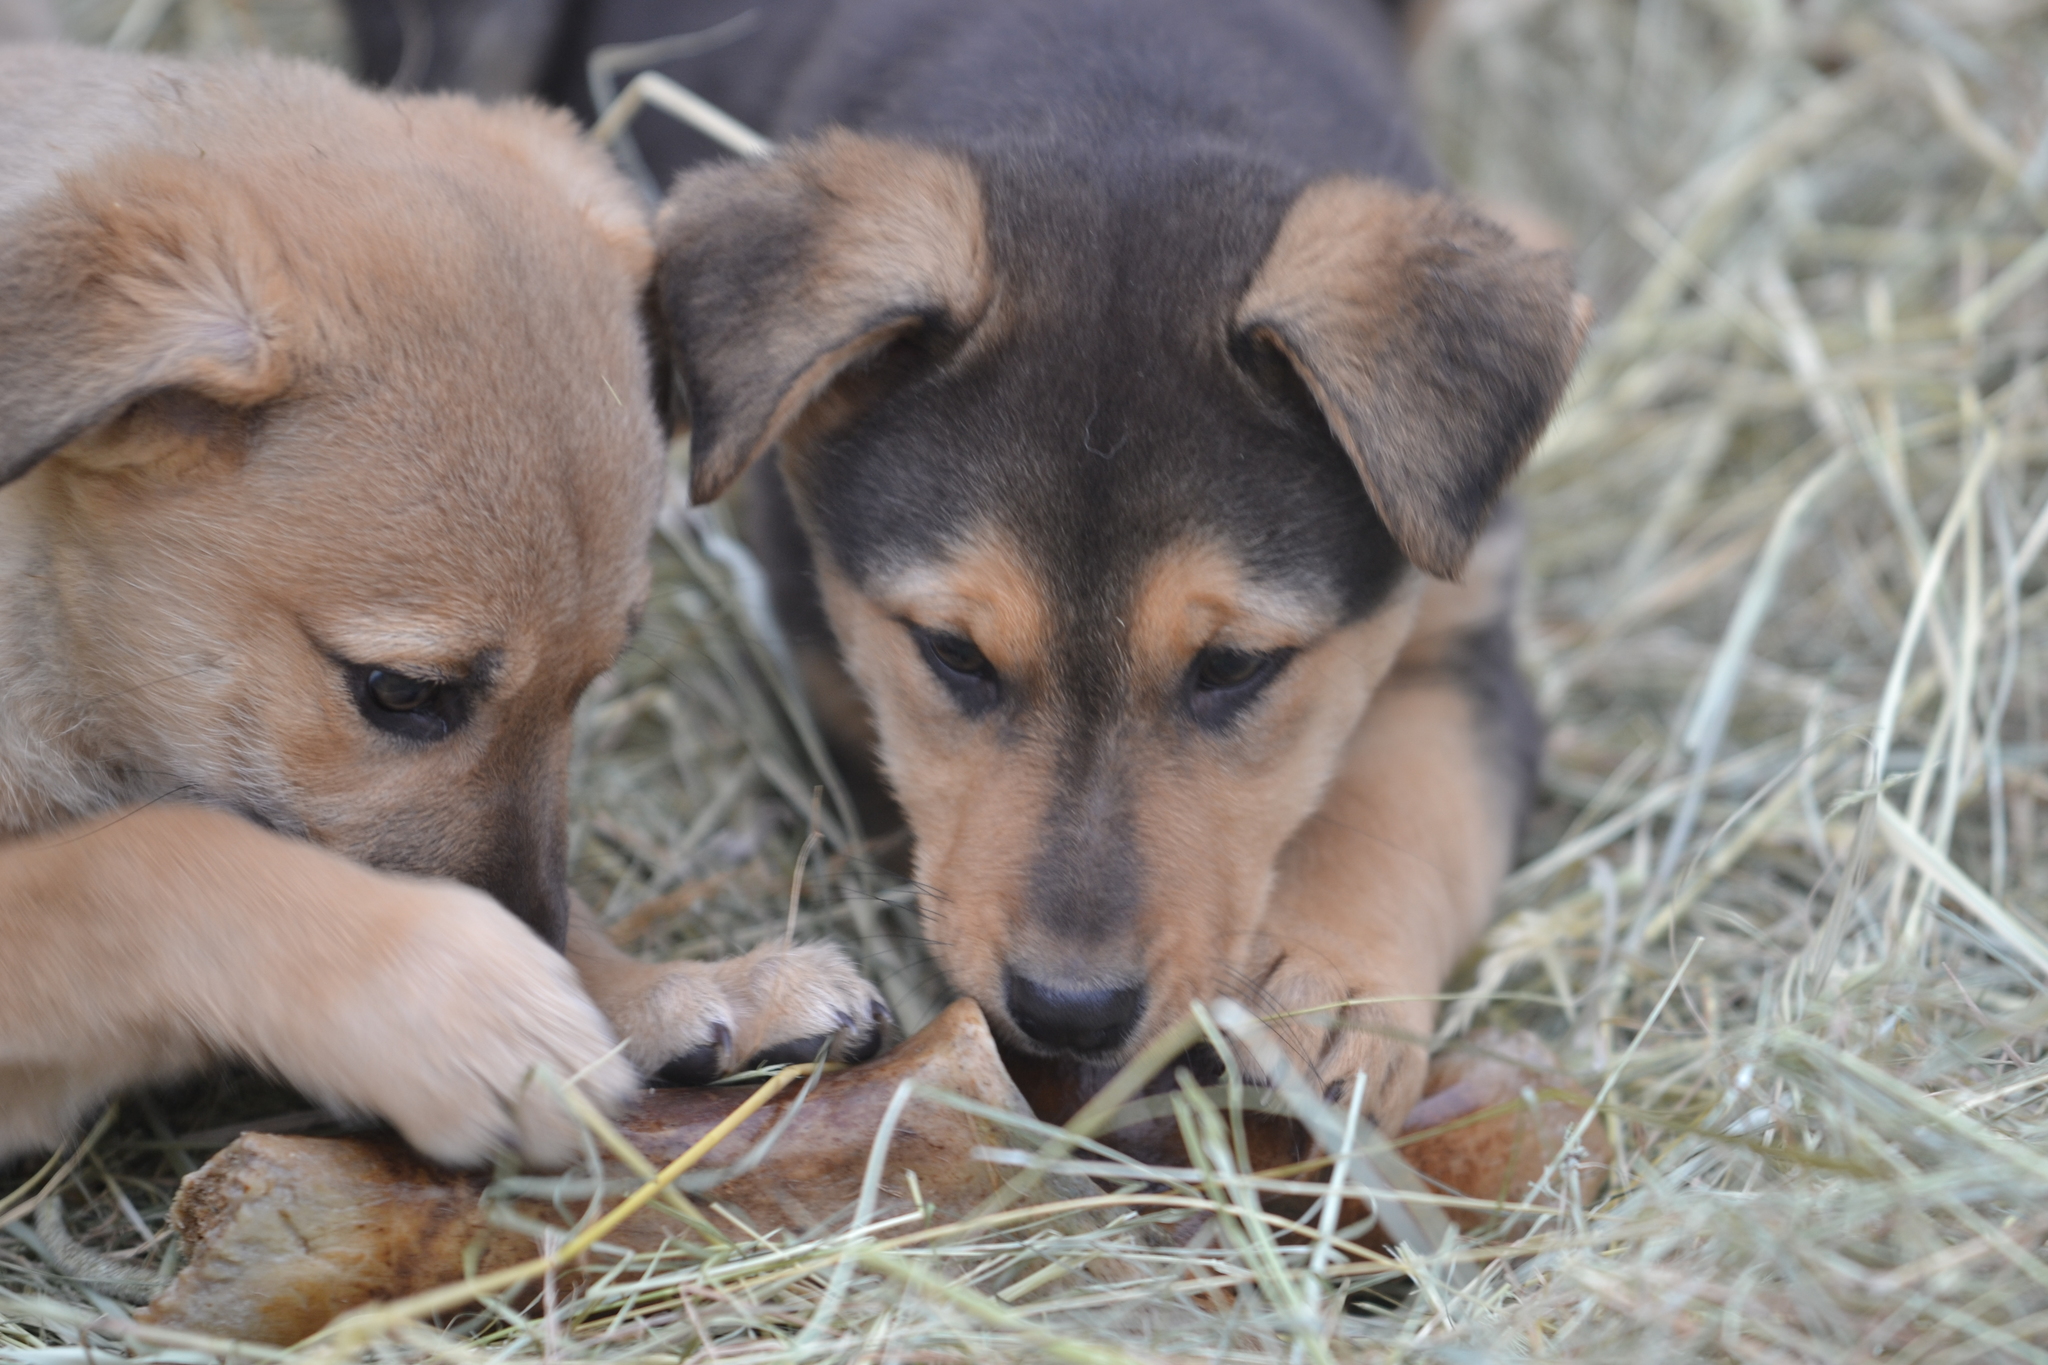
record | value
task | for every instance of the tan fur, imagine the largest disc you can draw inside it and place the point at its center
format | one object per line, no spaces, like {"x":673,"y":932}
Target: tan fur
{"x":1380,"y":893}
{"x":293,"y":376}
{"x":1384,"y":890}
{"x":142,"y":945}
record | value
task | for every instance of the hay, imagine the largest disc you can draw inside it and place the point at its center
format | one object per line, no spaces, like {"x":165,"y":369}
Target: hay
{"x":1786,"y":895}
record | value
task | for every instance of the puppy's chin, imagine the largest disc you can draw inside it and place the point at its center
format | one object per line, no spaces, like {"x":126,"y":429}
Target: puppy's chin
{"x":1015,"y":1041}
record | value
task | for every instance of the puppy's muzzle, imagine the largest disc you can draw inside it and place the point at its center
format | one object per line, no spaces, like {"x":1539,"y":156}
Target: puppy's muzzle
{"x":536,"y":897}
{"x":526,"y":864}
{"x":1084,"y":1022}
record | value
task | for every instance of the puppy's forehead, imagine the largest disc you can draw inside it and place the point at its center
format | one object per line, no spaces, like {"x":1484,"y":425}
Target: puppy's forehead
{"x":466,"y":516}
{"x":1186,"y":595}
{"x":1198,"y":499}
{"x":492,"y":458}
{"x":460,"y":319}
{"x":1102,"y":415}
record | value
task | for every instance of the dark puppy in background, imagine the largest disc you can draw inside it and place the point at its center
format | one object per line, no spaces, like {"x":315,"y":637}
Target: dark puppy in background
{"x":1137,"y":408}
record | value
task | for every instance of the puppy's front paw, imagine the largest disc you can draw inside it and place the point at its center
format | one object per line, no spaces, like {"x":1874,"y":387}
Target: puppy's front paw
{"x":794,"y":1000}
{"x":1329,"y":1031}
{"x":688,"y":1023}
{"x":441,"y":1030}
{"x":676,"y":1018}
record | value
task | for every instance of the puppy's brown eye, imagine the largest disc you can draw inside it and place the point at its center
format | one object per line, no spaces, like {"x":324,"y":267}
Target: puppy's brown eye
{"x":963,"y":668}
{"x":403,"y":704}
{"x":397,"y":692}
{"x":959,"y":655}
{"x":1220,"y":668}
{"x":1222,"y":682}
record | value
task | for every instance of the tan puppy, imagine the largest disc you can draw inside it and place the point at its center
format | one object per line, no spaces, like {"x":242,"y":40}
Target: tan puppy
{"x":327,"y":463}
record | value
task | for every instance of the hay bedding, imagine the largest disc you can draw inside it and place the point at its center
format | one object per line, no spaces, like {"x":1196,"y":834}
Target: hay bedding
{"x":1786,"y":896}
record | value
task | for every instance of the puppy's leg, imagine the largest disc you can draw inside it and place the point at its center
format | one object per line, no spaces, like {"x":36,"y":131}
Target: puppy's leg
{"x":142,"y":945}
{"x":688,"y":1023}
{"x":1394,"y":878}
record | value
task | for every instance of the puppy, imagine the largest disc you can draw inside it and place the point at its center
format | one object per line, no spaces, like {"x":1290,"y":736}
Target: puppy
{"x":329,"y":462}
{"x":1141,"y":404}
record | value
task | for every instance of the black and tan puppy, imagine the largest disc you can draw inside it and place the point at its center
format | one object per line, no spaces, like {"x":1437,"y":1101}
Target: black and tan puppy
{"x":1142,"y":406}
{"x":327,"y":463}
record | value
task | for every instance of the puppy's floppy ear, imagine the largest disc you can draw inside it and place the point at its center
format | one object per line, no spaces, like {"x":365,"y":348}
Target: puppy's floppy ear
{"x":142,"y":275}
{"x":775,"y":277}
{"x":1435,"y":347}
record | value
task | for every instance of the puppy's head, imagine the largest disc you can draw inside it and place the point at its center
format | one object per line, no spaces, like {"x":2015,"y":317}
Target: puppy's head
{"x":1117,"y":480}
{"x":333,"y":423}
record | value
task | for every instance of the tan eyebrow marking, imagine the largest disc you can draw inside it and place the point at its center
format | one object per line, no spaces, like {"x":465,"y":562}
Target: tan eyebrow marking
{"x":986,"y":590}
{"x":1195,"y":594}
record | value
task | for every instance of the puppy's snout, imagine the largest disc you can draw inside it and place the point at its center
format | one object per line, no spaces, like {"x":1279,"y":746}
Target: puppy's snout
{"x":523,"y":860}
{"x":1085,"y":1022}
{"x":527,"y":868}
{"x":534,"y":894}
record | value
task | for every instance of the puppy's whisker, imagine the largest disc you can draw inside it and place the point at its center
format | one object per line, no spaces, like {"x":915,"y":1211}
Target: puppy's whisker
{"x":106,"y":827}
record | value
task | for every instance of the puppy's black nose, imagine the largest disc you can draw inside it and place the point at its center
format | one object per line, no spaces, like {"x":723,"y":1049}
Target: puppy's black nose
{"x":1091,"y":1021}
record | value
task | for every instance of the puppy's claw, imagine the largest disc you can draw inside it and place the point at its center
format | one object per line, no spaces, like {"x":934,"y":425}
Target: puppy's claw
{"x":868,"y":1045}
{"x":792,"y":1050}
{"x":698,"y":1066}
{"x":1328,"y":1045}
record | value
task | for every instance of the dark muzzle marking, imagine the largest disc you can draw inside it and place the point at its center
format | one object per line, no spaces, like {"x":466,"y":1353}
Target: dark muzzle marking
{"x":1087,"y":878}
{"x":526,"y":868}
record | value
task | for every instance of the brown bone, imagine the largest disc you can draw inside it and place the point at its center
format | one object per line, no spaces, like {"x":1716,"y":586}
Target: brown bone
{"x":282,"y":1234}
{"x":1502,"y":1154}
{"x":1474,"y":1133}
